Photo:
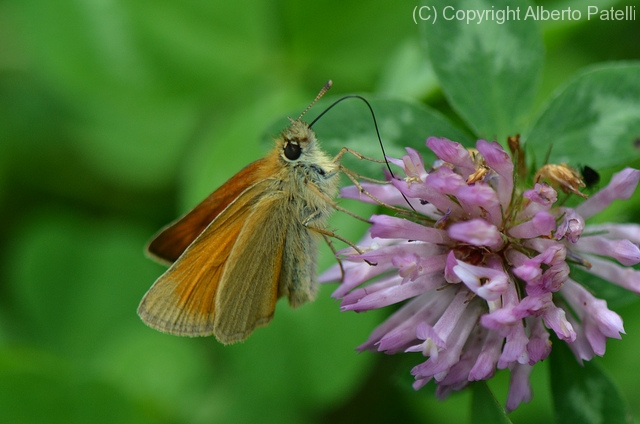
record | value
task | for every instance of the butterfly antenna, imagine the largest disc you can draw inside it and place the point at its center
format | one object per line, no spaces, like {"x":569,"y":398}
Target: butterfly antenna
{"x":375,"y":124}
{"x":324,"y":89}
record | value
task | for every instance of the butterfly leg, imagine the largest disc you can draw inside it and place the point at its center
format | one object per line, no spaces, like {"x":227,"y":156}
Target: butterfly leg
{"x":328,"y":233}
{"x":344,"y":150}
{"x":354,"y":179}
{"x":327,"y":240}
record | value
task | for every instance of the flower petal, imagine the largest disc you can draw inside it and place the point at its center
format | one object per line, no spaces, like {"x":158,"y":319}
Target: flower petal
{"x":542,"y":224}
{"x":485,"y":282}
{"x":499,"y":160}
{"x":391,"y":227}
{"x":453,"y":153}
{"x":623,"y":251}
{"x":477,"y":232}
{"x":519,"y":386}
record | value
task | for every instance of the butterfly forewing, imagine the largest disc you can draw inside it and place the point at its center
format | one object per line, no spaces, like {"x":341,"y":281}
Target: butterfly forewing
{"x":173,"y":240}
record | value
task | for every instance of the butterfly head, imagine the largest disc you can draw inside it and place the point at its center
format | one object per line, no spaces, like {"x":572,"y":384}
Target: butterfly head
{"x":298,"y":143}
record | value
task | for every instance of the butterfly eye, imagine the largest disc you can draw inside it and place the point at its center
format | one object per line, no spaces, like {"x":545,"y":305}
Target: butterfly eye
{"x":292,"y":151}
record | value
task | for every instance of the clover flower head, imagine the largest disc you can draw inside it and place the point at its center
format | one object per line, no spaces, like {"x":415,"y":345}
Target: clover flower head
{"x":482,"y":265}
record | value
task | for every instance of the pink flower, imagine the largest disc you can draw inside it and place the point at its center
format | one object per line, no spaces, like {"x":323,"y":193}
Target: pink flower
{"x":482,"y":266}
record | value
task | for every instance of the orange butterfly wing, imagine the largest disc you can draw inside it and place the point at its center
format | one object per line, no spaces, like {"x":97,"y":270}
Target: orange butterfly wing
{"x":249,"y":288}
{"x":173,"y":240}
{"x":182,"y":300}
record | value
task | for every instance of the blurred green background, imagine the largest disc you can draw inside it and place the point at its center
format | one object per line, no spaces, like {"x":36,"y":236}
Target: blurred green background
{"x":116,"y":117}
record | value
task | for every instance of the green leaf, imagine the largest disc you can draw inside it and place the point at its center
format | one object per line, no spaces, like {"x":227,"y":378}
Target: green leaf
{"x":593,"y":120}
{"x":489,"y":71}
{"x":484,"y":406}
{"x":583,"y":394}
{"x":408,"y":73}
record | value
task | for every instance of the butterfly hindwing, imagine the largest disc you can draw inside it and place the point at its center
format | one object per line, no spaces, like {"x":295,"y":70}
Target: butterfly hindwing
{"x":182,"y":300}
